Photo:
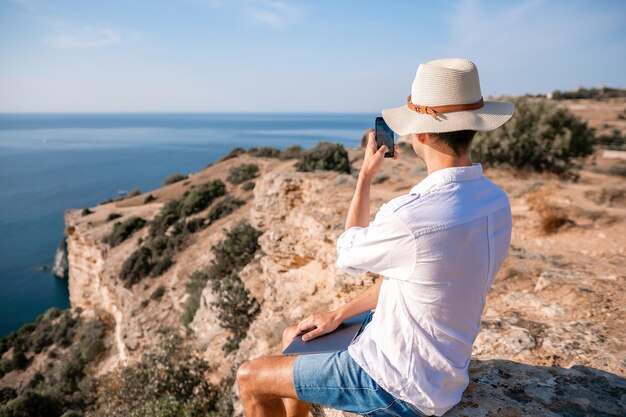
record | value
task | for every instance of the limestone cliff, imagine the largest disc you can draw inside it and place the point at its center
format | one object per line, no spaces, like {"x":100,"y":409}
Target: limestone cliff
{"x":557,"y":301}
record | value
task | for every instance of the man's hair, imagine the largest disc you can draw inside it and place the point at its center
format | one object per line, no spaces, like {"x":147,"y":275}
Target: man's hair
{"x":459,"y":140}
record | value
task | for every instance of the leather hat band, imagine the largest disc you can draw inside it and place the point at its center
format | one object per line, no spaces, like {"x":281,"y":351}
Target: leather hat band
{"x":433,"y":110}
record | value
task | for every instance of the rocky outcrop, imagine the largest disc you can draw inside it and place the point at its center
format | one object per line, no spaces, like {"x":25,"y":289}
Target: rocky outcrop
{"x":60,"y":266}
{"x":555,"y":309}
{"x":510,"y":389}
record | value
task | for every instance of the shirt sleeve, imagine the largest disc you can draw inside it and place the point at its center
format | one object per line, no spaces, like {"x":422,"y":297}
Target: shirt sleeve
{"x":385,"y":247}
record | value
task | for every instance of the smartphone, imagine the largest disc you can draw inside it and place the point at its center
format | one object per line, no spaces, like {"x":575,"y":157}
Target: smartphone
{"x":384,"y":136}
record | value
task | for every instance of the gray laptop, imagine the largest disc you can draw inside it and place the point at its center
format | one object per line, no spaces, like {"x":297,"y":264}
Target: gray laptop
{"x":338,"y":339}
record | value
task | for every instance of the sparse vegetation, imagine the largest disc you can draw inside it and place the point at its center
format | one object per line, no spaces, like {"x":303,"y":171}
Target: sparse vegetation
{"x":169,"y":232}
{"x":292,"y":152}
{"x":174,"y":178}
{"x":113,"y":216}
{"x":236,"y":308}
{"x":168,"y":381}
{"x":589,"y":93}
{"x":86,"y":212}
{"x":224,"y":207}
{"x":62,"y":386}
{"x":540,"y":136}
{"x":123,"y":230}
{"x":158,"y":293}
{"x":241,"y":173}
{"x":192,"y":201}
{"x":149,"y":198}
{"x":264,"y":151}
{"x":235,"y":152}
{"x":325,"y":156}
{"x":614,"y":140}
{"x":132,"y":193}
{"x":552,"y":218}
{"x":612,"y":197}
{"x":247,"y":186}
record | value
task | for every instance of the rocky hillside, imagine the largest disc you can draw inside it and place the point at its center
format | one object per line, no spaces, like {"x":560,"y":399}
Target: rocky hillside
{"x":552,"y":335}
{"x":557,"y":300}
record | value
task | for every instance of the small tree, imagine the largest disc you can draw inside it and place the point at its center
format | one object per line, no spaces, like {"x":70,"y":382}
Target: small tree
{"x":325,"y":156}
{"x":540,"y":136}
{"x":241,"y":173}
{"x":174,"y":178}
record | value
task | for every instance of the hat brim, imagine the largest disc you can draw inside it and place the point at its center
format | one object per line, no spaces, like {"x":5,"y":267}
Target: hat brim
{"x":404,"y":121}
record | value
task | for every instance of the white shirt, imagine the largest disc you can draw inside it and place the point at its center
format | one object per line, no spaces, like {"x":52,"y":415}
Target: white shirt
{"x":438,"y":249}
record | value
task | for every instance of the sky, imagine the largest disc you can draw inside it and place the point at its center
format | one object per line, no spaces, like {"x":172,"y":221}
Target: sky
{"x":292,"y":56}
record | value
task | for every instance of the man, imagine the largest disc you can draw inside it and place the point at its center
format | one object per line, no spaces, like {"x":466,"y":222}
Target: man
{"x":438,"y":249}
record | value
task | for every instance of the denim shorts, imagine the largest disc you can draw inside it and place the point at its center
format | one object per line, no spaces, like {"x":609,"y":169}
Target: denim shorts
{"x":336,"y":381}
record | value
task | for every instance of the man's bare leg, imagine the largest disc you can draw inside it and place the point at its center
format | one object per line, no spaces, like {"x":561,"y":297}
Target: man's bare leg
{"x":294,"y":407}
{"x":266,"y":386}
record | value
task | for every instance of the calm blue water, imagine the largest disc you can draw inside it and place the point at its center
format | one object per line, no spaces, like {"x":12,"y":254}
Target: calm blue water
{"x":51,"y":162}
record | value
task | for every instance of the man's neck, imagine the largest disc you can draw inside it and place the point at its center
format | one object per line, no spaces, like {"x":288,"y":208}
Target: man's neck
{"x":437,"y":163}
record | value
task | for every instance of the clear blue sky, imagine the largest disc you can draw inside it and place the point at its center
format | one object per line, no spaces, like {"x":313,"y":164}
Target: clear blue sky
{"x":275,"y":55}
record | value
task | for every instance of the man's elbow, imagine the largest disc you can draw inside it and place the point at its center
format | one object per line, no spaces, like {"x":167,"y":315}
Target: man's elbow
{"x":348,"y":269}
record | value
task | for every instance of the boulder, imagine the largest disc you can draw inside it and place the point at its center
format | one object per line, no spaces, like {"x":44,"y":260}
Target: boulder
{"x":506,"y":388}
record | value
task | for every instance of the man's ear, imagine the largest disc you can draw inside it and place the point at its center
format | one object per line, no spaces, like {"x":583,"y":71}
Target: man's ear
{"x":421,"y":137}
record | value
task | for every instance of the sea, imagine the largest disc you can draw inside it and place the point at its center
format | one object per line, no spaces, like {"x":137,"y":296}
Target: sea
{"x":52,"y":162}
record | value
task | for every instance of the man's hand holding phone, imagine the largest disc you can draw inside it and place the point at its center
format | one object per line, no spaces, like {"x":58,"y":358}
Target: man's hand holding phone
{"x":373,"y":157}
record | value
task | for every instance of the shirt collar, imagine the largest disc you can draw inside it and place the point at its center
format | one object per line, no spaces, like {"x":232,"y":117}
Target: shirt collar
{"x":449,"y":174}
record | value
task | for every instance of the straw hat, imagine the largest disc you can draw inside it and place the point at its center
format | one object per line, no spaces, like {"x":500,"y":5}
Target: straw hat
{"x":446,"y":96}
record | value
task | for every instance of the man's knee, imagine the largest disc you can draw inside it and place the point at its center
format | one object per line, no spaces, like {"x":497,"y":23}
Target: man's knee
{"x":244,"y":373}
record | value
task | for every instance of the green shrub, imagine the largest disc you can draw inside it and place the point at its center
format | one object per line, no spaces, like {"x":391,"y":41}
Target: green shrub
{"x":86,"y":212}
{"x":158,"y":293}
{"x":6,"y":394}
{"x":247,"y":186}
{"x":540,"y":136}
{"x":235,"y":152}
{"x":138,"y":265}
{"x":169,"y":214}
{"x":264,"y":151}
{"x":195,"y":286}
{"x":236,"y":308}
{"x":113,"y":216}
{"x":167,"y":381}
{"x":191,"y":202}
{"x":169,"y":232}
{"x":19,"y":360}
{"x":616,"y":139}
{"x":238,"y":248}
{"x":63,"y":384}
{"x":225,"y":207}
{"x":132,"y":193}
{"x":589,"y":93}
{"x":174,"y":178}
{"x":149,"y":198}
{"x":123,"y":230}
{"x":90,"y":340}
{"x":325,"y":156}
{"x":31,"y":404}
{"x":241,"y":173}
{"x":196,"y":224}
{"x":292,"y":152}
{"x":200,"y":197}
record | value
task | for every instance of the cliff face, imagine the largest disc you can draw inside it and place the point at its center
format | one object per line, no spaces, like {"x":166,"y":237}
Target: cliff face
{"x":557,"y":300}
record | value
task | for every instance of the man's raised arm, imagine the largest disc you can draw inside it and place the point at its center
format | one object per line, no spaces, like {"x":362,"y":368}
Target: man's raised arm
{"x":358,"y":215}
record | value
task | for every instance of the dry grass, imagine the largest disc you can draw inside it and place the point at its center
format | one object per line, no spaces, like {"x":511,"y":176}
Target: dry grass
{"x":611,"y":197}
{"x":552,"y":217}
